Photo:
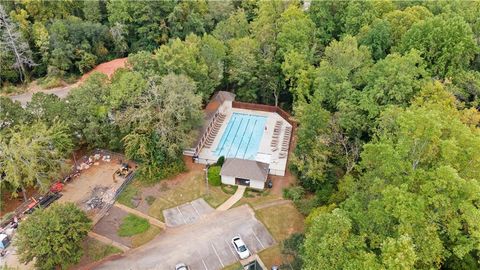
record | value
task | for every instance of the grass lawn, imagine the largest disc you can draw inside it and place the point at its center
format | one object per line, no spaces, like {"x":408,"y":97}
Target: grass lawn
{"x":132,"y":225}
{"x":281,"y":220}
{"x":257,"y":199}
{"x":187,"y":189}
{"x":145,"y":237}
{"x":271,"y":256}
{"x":94,"y":250}
{"x":130,"y":192}
{"x":235,"y":266}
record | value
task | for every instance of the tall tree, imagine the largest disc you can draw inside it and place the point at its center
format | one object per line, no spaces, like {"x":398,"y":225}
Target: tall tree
{"x":12,"y":40}
{"x":159,"y":125}
{"x":33,"y":155}
{"x":445,"y":42}
{"x":417,"y":218}
{"x":53,"y":237}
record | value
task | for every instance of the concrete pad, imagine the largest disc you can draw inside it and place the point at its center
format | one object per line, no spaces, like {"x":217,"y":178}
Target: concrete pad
{"x":186,"y":213}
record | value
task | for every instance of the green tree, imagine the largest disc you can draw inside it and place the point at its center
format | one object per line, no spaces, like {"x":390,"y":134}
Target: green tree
{"x":234,"y":27}
{"x":189,"y":17}
{"x":32,"y":155}
{"x":327,"y":16}
{"x":445,"y":42}
{"x":53,"y":237}
{"x":160,"y":125}
{"x":145,"y":21}
{"x":11,"y":113}
{"x":416,"y":191}
{"x":91,"y":11}
{"x":378,"y":37}
{"x":48,"y":108}
{"x":241,"y":68}
{"x":400,"y":21}
{"x":199,"y":58}
{"x":90,"y":119}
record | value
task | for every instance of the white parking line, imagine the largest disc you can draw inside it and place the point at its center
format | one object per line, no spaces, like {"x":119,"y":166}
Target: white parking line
{"x":198,"y":214}
{"x":230,"y":247}
{"x":204,"y":265}
{"x":217,"y":255}
{"x":254,"y":234}
{"x":183,"y":217}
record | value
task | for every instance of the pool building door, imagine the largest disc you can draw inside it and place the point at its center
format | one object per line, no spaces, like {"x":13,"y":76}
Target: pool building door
{"x":242,"y":181}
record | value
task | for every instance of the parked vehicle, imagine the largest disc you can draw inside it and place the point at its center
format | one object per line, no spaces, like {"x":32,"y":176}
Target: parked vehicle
{"x":181,"y":266}
{"x":269,"y":183}
{"x":240,"y":247}
{"x":4,"y":241}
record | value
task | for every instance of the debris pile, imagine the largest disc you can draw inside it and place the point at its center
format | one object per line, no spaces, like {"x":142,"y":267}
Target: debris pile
{"x":99,"y":197}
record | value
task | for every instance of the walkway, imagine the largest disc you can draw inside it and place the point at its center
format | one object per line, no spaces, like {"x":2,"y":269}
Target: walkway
{"x":108,"y":241}
{"x":233,"y":199}
{"x":152,"y":220}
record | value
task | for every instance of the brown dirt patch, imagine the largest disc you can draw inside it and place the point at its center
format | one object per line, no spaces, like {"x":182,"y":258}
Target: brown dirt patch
{"x":109,"y":224}
{"x":107,"y":68}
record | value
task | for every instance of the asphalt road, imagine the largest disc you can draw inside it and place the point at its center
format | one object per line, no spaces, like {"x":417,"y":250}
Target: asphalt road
{"x":61,"y":92}
{"x":203,"y":245}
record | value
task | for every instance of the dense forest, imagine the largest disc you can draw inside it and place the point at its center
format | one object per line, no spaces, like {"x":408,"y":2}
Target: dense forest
{"x":386,"y":95}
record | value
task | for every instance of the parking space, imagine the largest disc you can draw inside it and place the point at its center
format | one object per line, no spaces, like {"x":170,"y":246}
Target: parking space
{"x":204,"y":244}
{"x":186,"y":213}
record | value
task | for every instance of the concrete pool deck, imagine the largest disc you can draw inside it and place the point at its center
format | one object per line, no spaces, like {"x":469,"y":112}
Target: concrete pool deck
{"x":264,"y":153}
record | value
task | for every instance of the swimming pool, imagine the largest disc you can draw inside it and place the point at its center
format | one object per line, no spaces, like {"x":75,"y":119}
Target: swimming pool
{"x":242,"y":136}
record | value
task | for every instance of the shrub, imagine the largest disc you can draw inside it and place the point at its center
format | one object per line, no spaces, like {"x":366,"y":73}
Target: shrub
{"x":305,"y":206}
{"x":214,"y":176}
{"x":132,"y":225}
{"x":220,"y":161}
{"x":293,"y":193}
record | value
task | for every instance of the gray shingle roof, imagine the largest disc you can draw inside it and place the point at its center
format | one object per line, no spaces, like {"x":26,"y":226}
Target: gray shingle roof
{"x":246,"y":169}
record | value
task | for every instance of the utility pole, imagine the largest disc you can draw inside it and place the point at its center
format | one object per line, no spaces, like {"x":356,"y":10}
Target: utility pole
{"x":206,"y":177}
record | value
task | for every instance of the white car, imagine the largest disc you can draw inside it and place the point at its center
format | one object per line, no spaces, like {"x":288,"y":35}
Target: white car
{"x":181,"y":266}
{"x":240,"y":247}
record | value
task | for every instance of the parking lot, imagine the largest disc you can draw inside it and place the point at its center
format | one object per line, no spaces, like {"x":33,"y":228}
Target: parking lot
{"x":204,"y":244}
{"x":186,"y":213}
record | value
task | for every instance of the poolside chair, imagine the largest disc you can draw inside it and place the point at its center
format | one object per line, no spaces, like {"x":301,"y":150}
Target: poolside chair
{"x":274,"y":149}
{"x":282,"y":155}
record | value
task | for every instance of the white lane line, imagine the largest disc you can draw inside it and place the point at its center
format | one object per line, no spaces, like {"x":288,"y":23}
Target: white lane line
{"x":183,"y":217}
{"x":254,"y":234}
{"x":204,"y":265}
{"x":198,"y":214}
{"x":230,"y":247}
{"x":217,"y":255}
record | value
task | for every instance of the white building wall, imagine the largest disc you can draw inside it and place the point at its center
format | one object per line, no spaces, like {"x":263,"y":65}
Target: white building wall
{"x":228,"y":180}
{"x":257,"y":184}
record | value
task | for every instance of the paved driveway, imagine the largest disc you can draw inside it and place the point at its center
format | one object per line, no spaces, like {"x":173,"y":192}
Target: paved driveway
{"x":186,"y":213}
{"x":203,"y":245}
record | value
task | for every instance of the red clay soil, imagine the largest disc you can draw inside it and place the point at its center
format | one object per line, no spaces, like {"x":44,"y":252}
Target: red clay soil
{"x":9,"y":203}
{"x":107,"y":68}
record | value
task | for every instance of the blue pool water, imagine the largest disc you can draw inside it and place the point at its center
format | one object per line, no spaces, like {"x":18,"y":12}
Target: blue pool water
{"x":242,"y":136}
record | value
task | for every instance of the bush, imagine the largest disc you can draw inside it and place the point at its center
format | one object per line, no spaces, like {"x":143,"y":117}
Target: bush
{"x":51,"y":82}
{"x":220,"y":161}
{"x":132,"y":225}
{"x":214,"y":178}
{"x":293,"y":193}
{"x":305,"y":206}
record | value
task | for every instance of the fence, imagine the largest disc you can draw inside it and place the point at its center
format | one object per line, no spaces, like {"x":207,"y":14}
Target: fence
{"x":109,"y":205}
{"x":265,"y":108}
